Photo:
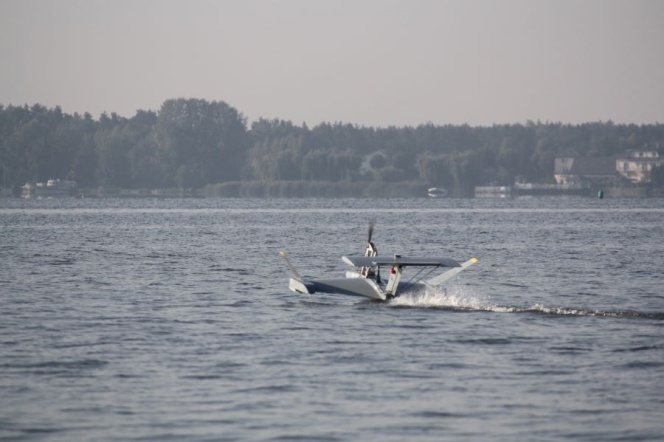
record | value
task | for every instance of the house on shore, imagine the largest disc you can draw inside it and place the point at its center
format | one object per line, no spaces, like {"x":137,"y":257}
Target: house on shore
{"x":637,"y":165}
{"x":573,"y":169}
{"x":634,"y":166}
{"x":50,"y":189}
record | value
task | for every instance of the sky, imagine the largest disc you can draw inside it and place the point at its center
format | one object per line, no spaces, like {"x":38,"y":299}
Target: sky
{"x":364,"y":62}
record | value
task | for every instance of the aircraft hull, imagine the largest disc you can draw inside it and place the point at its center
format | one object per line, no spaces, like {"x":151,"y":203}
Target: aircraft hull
{"x":346,"y":286}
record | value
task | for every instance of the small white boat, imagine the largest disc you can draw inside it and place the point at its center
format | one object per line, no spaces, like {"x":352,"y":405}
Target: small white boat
{"x":437,"y":192}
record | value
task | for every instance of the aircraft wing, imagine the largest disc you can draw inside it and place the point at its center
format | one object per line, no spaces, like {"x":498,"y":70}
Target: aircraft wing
{"x":364,"y":261}
{"x":450,"y":273}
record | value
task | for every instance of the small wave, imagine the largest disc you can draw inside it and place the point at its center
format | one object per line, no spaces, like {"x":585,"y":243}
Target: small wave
{"x":218,"y":268}
{"x":73,"y":368}
{"x":643,"y":365}
{"x":83,"y":363}
{"x":569,"y":311}
{"x":637,"y":349}
{"x":62,"y":262}
{"x":457,"y":298}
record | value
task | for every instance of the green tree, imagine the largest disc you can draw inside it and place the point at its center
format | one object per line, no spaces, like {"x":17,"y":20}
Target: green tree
{"x":112,"y":148}
{"x":208,"y":138}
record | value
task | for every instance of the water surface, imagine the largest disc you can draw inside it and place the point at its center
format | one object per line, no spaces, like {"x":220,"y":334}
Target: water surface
{"x":171,"y":319}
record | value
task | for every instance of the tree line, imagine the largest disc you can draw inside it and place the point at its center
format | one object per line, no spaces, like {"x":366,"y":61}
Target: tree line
{"x":194,"y":143}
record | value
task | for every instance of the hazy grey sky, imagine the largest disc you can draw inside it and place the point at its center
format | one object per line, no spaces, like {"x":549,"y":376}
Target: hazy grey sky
{"x":366,"y":62}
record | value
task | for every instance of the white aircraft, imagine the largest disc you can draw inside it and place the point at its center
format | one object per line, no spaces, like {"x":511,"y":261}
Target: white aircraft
{"x":367,"y":281}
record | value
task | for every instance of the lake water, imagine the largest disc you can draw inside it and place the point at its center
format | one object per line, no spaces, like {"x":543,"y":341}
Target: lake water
{"x":171,"y":320}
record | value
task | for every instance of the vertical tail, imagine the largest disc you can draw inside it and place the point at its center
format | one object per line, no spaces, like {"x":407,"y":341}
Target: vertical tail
{"x":297,"y":283}
{"x":296,"y":275}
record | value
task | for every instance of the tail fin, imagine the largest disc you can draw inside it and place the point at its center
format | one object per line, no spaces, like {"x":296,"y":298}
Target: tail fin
{"x":297,"y":283}
{"x":296,"y":275}
{"x":451,"y":273}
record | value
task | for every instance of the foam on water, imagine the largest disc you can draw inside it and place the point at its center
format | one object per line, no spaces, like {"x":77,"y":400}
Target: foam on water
{"x":570,"y":311}
{"x":457,"y":297}
{"x":454,"y":297}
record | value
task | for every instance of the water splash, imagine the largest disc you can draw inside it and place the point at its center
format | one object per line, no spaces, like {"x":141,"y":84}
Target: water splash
{"x":454,"y":297}
{"x":463,"y":299}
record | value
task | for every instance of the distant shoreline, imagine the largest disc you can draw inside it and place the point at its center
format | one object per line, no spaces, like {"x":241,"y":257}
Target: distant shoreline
{"x":291,"y":189}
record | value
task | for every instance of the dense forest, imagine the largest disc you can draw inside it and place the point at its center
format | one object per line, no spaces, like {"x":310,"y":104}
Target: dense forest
{"x":197,"y":144}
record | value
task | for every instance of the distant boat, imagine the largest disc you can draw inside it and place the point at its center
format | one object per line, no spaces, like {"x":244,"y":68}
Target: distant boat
{"x":437,"y":192}
{"x":50,"y":189}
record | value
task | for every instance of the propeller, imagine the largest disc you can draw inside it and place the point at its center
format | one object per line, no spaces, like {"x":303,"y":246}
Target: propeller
{"x":372,"y":224}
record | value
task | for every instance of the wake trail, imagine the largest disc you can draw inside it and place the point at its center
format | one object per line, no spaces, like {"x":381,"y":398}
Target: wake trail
{"x":458,"y":298}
